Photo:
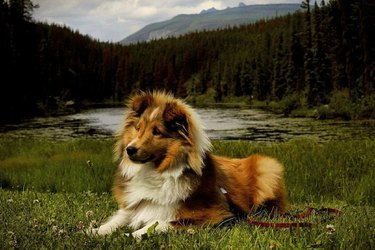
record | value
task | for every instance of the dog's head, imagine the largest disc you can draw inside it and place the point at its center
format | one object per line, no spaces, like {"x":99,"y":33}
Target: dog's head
{"x":162,"y":130}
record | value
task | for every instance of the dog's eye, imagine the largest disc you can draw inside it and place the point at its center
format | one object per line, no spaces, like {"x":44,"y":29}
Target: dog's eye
{"x":156,"y":131}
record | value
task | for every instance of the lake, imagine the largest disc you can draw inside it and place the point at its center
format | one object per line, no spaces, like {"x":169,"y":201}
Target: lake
{"x":225,"y":124}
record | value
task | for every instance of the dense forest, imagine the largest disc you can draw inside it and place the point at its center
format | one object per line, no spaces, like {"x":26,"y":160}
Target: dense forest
{"x":321,"y":56}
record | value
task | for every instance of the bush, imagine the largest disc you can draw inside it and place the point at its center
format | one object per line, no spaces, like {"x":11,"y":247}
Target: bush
{"x":365,"y":108}
{"x":292,"y":102}
{"x":342,"y":106}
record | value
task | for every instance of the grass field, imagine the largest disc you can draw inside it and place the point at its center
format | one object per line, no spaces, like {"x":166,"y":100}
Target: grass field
{"x":52,"y":191}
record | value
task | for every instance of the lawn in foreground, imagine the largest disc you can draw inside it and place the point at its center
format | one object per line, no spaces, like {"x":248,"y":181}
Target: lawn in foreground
{"x":52,"y":192}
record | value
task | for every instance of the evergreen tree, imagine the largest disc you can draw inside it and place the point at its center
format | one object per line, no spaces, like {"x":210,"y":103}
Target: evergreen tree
{"x":217,"y":79}
{"x":320,"y":61}
{"x":279,"y":70}
{"x":246,"y":77}
{"x":237,"y":80}
{"x":295,"y":71}
{"x":310,"y":76}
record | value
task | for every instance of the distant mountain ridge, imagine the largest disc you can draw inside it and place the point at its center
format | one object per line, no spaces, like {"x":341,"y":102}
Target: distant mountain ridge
{"x":210,"y":19}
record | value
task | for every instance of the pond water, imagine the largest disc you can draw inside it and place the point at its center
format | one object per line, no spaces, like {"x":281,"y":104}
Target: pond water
{"x":226,"y":124}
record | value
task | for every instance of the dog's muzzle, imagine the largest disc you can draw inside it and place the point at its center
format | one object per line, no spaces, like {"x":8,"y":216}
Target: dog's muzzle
{"x":131,"y":151}
{"x":137,"y":158}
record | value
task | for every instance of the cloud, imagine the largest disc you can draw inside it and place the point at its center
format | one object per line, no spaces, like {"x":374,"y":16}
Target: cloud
{"x":113,"y":20}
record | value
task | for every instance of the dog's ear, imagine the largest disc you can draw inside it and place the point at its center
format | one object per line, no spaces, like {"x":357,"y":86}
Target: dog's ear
{"x":176,"y":120}
{"x":140,"y":102}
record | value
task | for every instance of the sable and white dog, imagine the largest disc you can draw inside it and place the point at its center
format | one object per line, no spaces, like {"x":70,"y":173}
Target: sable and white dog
{"x":167,"y":175}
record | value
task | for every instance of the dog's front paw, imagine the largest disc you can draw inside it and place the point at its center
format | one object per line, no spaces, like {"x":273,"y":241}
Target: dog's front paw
{"x":138,"y":234}
{"x":99,"y":231}
{"x":150,"y":229}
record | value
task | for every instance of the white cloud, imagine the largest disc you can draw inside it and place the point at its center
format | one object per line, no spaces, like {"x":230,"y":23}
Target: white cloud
{"x":113,"y":20}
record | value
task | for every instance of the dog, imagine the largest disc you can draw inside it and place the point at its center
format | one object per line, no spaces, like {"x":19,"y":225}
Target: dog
{"x":167,"y":177}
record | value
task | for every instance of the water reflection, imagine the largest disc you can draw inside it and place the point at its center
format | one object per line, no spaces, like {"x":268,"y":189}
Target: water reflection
{"x":227,"y":124}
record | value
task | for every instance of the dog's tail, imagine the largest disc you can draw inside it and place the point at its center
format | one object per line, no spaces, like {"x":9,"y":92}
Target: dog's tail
{"x":270,"y":187}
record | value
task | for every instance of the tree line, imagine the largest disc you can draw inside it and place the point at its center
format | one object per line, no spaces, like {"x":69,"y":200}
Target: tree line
{"x":302,"y":59}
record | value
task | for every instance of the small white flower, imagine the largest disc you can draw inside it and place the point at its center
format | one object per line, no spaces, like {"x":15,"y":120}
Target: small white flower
{"x":55,"y":228}
{"x":80,"y":225}
{"x":61,"y":232}
{"x":52,"y":222}
{"x":162,"y":246}
{"x":89,"y":163}
{"x":36,"y":201}
{"x":12,"y":239}
{"x":94,"y":224}
{"x":89,"y":214}
{"x":330,"y":229}
{"x":11,"y":233}
{"x":190,"y":231}
{"x":13,"y":242}
{"x":35,"y":223}
{"x":273,"y":245}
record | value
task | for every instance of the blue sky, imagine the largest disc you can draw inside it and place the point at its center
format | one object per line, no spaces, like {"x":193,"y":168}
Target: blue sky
{"x":113,"y":20}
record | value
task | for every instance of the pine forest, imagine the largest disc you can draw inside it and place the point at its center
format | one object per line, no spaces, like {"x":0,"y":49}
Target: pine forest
{"x":319,"y":57}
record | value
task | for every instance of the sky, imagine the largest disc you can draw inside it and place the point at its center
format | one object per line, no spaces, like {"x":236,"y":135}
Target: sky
{"x":113,"y":20}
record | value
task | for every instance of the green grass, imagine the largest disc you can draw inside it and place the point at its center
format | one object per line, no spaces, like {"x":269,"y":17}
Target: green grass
{"x":50,"y":195}
{"x":41,"y":165}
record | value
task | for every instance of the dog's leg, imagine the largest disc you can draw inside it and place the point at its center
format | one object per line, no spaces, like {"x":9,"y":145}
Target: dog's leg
{"x":160,"y":226}
{"x":119,"y":219}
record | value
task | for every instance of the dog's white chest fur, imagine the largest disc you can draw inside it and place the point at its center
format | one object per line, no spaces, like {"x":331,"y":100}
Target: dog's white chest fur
{"x":151,"y":195}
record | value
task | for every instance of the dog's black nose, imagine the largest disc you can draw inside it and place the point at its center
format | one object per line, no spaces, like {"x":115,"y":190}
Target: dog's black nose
{"x":131,"y":150}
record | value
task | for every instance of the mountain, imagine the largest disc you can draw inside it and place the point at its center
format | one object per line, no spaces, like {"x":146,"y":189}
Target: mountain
{"x":210,"y":19}
{"x":208,"y":11}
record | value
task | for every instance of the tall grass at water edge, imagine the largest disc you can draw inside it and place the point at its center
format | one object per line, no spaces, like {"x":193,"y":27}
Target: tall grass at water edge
{"x":52,"y":191}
